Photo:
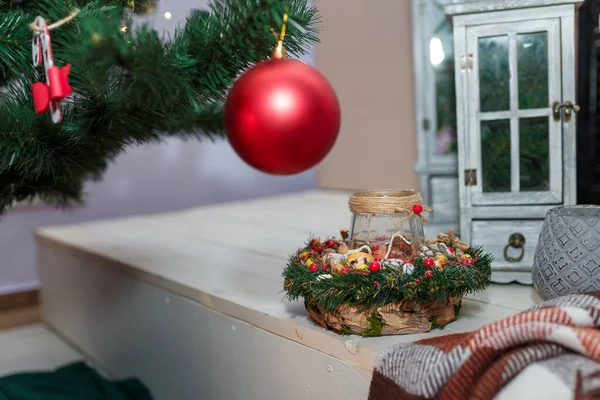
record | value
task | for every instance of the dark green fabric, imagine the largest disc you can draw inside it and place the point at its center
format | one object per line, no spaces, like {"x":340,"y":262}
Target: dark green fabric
{"x":73,"y":382}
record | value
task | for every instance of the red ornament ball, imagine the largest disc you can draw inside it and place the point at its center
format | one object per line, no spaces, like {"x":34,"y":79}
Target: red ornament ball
{"x":374,"y":266}
{"x":428,"y":262}
{"x":313,"y":242}
{"x":282,"y":116}
{"x":344,"y":271}
{"x":428,"y":274}
{"x":417,"y":209}
{"x":318,"y":249}
{"x":313,"y":267}
{"x":330,"y":243}
{"x":325,"y":267}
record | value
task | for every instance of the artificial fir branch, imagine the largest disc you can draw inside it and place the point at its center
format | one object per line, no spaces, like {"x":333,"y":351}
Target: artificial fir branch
{"x":131,"y":85}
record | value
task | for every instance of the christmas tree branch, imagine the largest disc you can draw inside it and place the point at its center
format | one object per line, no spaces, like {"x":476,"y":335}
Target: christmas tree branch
{"x":131,"y":85}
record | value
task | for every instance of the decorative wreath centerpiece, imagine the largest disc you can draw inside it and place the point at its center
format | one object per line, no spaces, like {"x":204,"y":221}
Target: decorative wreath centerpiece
{"x":383,"y":277}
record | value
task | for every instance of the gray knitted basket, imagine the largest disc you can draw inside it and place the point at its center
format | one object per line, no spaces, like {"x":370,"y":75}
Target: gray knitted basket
{"x":567,"y":256}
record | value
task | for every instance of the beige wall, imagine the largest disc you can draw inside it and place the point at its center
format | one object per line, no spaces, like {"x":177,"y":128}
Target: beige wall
{"x":366,"y":53}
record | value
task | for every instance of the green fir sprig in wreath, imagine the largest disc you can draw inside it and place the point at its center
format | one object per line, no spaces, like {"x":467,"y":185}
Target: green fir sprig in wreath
{"x":388,"y":285}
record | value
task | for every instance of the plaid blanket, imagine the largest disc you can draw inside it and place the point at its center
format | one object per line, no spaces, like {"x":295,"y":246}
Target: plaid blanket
{"x":550,"y":351}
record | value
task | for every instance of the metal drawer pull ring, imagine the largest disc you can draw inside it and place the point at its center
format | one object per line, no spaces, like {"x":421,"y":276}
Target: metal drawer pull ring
{"x":517,"y":241}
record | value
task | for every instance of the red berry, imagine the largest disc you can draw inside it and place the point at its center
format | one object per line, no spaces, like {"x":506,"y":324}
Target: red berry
{"x":466,"y":261}
{"x":313,"y":242}
{"x":418,"y":281}
{"x":325,"y":267}
{"x":428,"y":274}
{"x":374,"y":266}
{"x":318,"y":249}
{"x":428,"y":262}
{"x":313,"y":267}
{"x":330,"y":243}
{"x":376,"y":283}
{"x":344,"y":271}
{"x":417,"y":209}
{"x":406,"y":284}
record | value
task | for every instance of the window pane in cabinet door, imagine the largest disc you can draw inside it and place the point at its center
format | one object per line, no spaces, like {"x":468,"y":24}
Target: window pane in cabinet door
{"x":495,"y":155}
{"x":532,"y":64}
{"x":534,"y":152}
{"x":494,"y":74}
{"x":441,"y":58}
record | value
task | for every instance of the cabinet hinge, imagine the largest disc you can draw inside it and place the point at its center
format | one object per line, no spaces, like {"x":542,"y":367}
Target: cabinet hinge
{"x":470,"y":177}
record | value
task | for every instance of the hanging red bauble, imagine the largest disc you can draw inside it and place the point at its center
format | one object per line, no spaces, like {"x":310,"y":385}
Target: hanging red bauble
{"x":282,"y":116}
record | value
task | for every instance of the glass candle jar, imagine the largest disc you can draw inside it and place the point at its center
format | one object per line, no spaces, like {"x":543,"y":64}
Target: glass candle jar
{"x":388,"y":221}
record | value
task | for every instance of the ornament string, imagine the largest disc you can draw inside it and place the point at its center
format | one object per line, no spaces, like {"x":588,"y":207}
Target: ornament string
{"x":37,"y":30}
{"x":279,"y":50}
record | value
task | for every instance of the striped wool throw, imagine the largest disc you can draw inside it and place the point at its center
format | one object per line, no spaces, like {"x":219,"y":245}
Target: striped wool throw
{"x":551,"y":350}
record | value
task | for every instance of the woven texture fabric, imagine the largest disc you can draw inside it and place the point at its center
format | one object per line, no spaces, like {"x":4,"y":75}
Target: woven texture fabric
{"x":481,"y":364}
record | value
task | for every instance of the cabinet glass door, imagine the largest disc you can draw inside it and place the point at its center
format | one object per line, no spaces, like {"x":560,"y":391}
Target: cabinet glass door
{"x":435,"y":83}
{"x":515,"y":145}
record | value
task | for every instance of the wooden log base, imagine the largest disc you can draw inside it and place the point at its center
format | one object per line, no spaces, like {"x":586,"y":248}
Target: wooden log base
{"x":392,"y":319}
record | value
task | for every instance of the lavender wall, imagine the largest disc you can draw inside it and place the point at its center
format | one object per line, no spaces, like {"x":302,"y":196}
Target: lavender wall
{"x":149,"y":179}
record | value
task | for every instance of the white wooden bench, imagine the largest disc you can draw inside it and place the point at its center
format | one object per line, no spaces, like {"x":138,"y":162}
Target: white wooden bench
{"x":191,"y":302}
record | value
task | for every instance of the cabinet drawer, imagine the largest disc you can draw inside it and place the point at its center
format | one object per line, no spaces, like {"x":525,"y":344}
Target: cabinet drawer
{"x":493,"y":236}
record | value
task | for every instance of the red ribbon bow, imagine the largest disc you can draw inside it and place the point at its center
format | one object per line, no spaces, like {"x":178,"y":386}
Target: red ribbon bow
{"x":57,"y":90}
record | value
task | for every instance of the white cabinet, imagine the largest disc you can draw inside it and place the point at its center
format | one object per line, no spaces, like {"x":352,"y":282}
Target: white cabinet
{"x":515,"y":94}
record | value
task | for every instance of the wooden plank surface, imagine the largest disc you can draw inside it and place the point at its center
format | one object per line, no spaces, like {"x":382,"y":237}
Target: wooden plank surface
{"x":229,"y":258}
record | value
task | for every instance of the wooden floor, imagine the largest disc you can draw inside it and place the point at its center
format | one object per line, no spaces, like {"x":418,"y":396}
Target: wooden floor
{"x":33,"y":348}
